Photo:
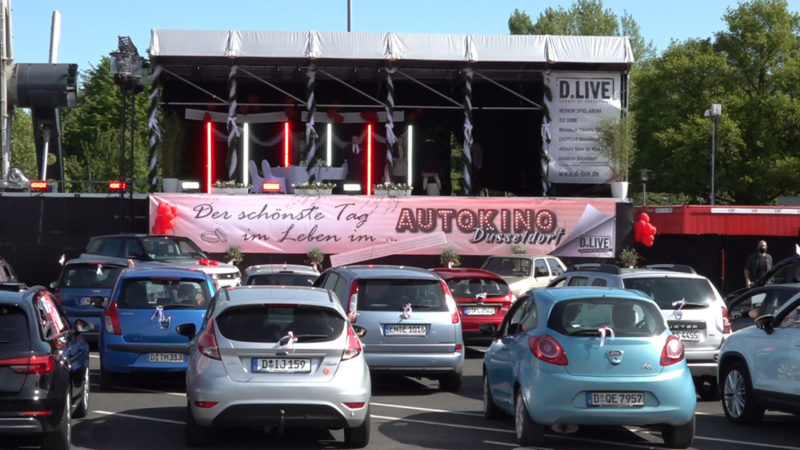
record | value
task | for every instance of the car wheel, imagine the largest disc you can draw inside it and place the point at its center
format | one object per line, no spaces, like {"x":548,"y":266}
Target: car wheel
{"x":83,"y":406}
{"x":358,"y":437}
{"x":106,"y":379}
{"x":450,"y":383}
{"x":490,"y":408}
{"x":528,"y":432}
{"x":680,"y":436}
{"x":707,"y":388}
{"x":196,"y":435}
{"x":59,"y":439}
{"x":738,"y":400}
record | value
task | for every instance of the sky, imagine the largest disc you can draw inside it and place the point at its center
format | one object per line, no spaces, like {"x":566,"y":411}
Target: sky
{"x":90,"y":28}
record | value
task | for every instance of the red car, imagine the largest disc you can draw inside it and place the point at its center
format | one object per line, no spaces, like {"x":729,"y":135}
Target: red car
{"x":483,"y":299}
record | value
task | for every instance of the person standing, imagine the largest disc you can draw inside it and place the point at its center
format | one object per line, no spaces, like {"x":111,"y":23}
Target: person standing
{"x":355,"y":161}
{"x":476,"y":151}
{"x":758,"y":264}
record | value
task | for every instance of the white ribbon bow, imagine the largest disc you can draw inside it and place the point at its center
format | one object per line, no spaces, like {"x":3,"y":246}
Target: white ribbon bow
{"x":158,"y":314}
{"x":286,"y":342}
{"x":99,"y":269}
{"x":407,"y":311}
{"x":603,"y":335}
{"x":679,"y":305}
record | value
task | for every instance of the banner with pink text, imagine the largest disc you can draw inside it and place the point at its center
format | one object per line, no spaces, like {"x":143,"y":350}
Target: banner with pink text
{"x":367,"y":227}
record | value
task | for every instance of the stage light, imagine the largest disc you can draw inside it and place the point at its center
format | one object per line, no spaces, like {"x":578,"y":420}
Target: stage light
{"x":39,"y":185}
{"x":410,"y":154}
{"x":369,"y":159}
{"x":351,"y":187}
{"x":245,"y":153}
{"x":271,"y":186}
{"x":209,"y":163}
{"x":117,"y":185}
{"x":190,"y":186}
{"x":329,"y":146}
{"x":286,"y":161}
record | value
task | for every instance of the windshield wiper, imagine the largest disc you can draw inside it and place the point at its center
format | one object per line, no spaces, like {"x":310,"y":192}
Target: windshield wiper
{"x":310,"y":337}
{"x":585,"y":332}
{"x":180,"y":306}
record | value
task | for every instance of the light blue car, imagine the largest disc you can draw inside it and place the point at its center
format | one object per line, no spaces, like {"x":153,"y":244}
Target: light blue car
{"x":566,"y":357}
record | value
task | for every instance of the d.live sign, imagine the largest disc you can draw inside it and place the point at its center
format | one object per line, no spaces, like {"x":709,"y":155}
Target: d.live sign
{"x":586,"y":89}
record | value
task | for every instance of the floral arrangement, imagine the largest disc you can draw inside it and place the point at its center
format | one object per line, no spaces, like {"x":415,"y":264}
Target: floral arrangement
{"x":392,"y":187}
{"x":229,"y":184}
{"x":314,"y":185}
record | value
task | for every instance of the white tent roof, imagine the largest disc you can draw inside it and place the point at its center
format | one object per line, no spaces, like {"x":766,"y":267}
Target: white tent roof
{"x":391,"y":46}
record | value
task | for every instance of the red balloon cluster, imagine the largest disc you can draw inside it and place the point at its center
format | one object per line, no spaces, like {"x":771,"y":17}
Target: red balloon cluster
{"x":207,"y":262}
{"x":369,"y":115}
{"x":333,"y":113}
{"x":644,"y":231}
{"x":166,"y":214}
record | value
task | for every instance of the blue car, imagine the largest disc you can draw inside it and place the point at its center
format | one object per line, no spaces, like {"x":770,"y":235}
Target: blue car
{"x":566,"y":357}
{"x":83,"y":288}
{"x":139,"y":322}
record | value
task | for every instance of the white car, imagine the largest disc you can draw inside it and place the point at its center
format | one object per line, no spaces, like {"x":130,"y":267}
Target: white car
{"x":759,"y":366}
{"x":524,"y":272}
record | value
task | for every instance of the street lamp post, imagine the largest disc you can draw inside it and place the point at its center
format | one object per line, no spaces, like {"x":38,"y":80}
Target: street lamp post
{"x":713,"y":113}
{"x":644,"y":173}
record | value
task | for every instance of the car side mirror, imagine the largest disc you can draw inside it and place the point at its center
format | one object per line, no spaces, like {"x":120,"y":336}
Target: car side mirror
{"x":765,"y":323}
{"x":82,"y":326}
{"x":187,"y":329}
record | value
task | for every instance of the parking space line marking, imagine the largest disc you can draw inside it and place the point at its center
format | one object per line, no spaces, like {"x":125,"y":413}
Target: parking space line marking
{"x":452,"y":425}
{"x":509,"y":444}
{"x":752,"y":444}
{"x":133,"y":416}
{"x":417,"y":408}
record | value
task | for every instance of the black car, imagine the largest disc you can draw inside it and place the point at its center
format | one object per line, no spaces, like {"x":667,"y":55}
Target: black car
{"x":44,"y":368}
{"x":758,"y":301}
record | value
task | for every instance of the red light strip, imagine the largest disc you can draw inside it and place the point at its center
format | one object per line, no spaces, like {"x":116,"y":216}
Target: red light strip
{"x":285,"y":144}
{"x":369,"y":159}
{"x":208,"y":157}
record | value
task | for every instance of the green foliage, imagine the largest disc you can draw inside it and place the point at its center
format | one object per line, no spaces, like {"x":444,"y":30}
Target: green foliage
{"x":449,"y":257}
{"x":315,"y":257}
{"x":616,"y":139}
{"x":23,"y":149}
{"x":234,"y":254}
{"x":629,"y":257}
{"x":518,"y":249}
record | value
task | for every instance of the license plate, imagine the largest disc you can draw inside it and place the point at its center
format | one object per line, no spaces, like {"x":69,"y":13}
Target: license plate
{"x":281,"y":365}
{"x":479,"y":311}
{"x":405,"y":330}
{"x":688,"y":336}
{"x":165,"y":357}
{"x":86,"y":301}
{"x":623,"y":399}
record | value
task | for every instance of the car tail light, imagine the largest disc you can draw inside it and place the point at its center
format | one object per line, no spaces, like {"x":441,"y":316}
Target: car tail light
{"x":58,"y":295}
{"x":205,"y":404}
{"x":726,"y":321}
{"x":31,"y":365}
{"x":672,"y":352}
{"x":355,"y":405}
{"x":207,"y":341}
{"x":548,"y":349}
{"x":45,"y":412}
{"x":111,"y":319}
{"x":353,"y":347}
{"x":451,"y":303}
{"x":352,"y":303}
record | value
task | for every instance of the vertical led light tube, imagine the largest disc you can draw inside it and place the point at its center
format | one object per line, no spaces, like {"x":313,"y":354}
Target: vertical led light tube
{"x":208,"y":157}
{"x":329,"y":146}
{"x":369,"y":159}
{"x":245,"y":153}
{"x":285,"y":144}
{"x":410,"y":154}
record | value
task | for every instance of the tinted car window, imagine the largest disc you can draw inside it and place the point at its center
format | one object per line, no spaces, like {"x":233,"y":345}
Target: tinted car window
{"x":555,"y":269}
{"x":626,"y":317}
{"x":392,"y":295}
{"x":189,"y":293}
{"x":599,"y":282}
{"x":269,"y":323}
{"x":470,"y":287}
{"x":697,"y":292}
{"x":541,"y":268}
{"x":88,"y":276}
{"x":14,"y":333}
{"x":579,"y":281}
{"x":274,"y":279}
{"x":513,"y":267}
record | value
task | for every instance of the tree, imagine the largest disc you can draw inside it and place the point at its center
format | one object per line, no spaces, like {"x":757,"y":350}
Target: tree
{"x":23,"y":149}
{"x":616,"y":139}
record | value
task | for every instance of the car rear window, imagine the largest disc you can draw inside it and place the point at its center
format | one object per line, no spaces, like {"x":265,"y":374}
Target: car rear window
{"x":278,"y":279}
{"x":269,"y":323}
{"x":164,"y":248}
{"x":171,"y":293}
{"x":586,"y":316}
{"x":509,"y":267}
{"x":14,"y":332}
{"x":666,"y":291}
{"x":393,"y":294}
{"x":88,"y":276}
{"x":471,"y":287}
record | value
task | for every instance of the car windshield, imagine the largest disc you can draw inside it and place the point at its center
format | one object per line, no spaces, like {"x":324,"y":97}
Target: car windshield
{"x":667,"y":291}
{"x":172,"y":293}
{"x":270,"y":323}
{"x":509,"y":267}
{"x":289,"y":279}
{"x":625,"y":317}
{"x":394,"y":294}
{"x":473,"y":287}
{"x":170,"y":248}
{"x":88,"y":276}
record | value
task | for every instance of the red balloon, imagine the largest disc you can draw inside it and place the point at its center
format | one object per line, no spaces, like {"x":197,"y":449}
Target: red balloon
{"x":163,"y":207}
{"x":644,"y":231}
{"x":174,"y":210}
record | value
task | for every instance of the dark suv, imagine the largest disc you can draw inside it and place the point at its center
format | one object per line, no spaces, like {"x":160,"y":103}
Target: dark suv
{"x":44,"y":368}
{"x":690,"y":304}
{"x":406,"y":318}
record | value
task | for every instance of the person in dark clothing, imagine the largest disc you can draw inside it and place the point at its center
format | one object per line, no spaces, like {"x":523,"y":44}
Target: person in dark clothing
{"x":758,"y":264}
{"x":354,"y":155}
{"x":429,"y":163}
{"x":476,"y":151}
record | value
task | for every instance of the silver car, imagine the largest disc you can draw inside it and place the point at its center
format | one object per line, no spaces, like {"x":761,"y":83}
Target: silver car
{"x":277,"y":274}
{"x":276,"y":356}
{"x":406,"y":317}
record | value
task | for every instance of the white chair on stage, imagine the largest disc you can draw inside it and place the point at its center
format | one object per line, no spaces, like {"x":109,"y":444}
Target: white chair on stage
{"x":265,"y":175}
